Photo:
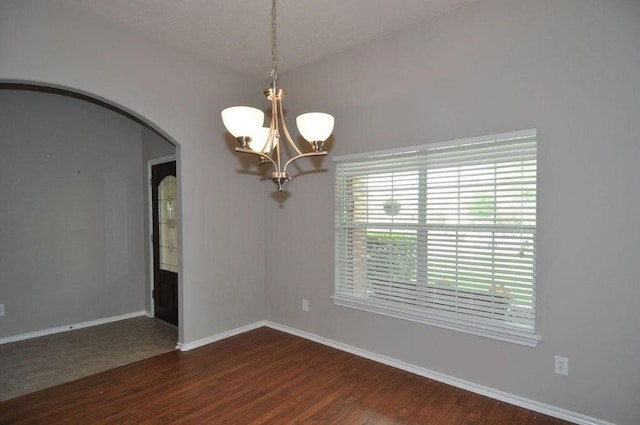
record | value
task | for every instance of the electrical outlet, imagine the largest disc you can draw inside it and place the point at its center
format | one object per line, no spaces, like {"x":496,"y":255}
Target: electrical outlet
{"x":1,"y":309}
{"x":305,"y":305}
{"x":562,"y":365}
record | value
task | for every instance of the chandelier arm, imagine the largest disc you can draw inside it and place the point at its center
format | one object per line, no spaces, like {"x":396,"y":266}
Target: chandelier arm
{"x":260,"y":154}
{"x":275,"y":133}
{"x":302,"y":155}
{"x":286,"y":133}
{"x":277,"y":162}
{"x":290,"y":141}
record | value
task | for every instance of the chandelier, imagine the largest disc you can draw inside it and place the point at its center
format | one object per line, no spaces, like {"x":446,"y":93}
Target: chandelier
{"x":246,"y":125}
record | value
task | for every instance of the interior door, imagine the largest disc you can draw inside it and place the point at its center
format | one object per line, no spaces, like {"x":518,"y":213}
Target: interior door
{"x":164,"y":195}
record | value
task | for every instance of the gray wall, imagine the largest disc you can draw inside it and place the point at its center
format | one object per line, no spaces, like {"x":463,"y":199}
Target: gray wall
{"x":72,"y":212}
{"x":569,"y":68}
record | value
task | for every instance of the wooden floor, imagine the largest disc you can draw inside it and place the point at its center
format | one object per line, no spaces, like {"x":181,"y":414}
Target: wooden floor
{"x":260,"y":377}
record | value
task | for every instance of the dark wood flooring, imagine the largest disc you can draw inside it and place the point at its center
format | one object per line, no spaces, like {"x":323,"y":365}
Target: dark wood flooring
{"x":261,"y":377}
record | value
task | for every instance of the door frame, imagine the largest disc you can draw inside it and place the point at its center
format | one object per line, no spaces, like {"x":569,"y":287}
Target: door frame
{"x":150,"y":283}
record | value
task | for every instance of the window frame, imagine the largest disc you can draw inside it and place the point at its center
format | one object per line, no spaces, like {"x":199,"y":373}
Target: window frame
{"x":422,"y":314}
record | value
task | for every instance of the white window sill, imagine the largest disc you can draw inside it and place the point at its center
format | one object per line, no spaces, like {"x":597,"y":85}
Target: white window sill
{"x":507,"y":335}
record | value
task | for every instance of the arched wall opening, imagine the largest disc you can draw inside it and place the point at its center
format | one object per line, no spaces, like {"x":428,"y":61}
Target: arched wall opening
{"x":223,"y":262}
{"x":74,"y":170}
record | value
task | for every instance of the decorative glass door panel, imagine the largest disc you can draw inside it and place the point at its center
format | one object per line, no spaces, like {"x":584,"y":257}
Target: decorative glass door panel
{"x":168,"y":224}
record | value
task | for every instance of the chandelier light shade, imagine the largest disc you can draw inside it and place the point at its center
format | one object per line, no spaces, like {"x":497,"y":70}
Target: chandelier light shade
{"x":246,"y":125}
{"x":316,"y":127}
{"x":242,"y":121}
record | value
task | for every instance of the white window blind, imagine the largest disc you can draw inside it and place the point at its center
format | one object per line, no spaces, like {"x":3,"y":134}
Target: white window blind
{"x":443,"y":234}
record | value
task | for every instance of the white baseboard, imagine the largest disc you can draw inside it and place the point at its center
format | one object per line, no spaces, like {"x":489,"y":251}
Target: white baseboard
{"x":217,"y":337}
{"x":544,"y":408}
{"x":70,"y":327}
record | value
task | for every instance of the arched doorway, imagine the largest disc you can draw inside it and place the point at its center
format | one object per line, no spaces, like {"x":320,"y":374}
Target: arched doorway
{"x":74,"y":173}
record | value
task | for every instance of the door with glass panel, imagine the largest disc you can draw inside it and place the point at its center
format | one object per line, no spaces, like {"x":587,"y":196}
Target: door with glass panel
{"x":164,"y":194}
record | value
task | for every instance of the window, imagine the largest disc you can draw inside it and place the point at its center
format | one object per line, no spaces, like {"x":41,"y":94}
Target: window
{"x":443,"y":234}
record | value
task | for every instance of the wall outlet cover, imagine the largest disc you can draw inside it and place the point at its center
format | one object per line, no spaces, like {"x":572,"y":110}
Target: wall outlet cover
{"x":562,"y":366}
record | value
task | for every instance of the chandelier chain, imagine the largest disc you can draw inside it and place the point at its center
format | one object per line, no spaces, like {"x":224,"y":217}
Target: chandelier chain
{"x":274,"y":47}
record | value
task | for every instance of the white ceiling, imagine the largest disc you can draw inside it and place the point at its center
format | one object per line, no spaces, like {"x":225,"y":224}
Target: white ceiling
{"x":236,"y":33}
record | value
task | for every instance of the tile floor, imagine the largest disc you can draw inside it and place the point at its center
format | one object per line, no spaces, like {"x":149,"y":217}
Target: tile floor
{"x":38,"y":363}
